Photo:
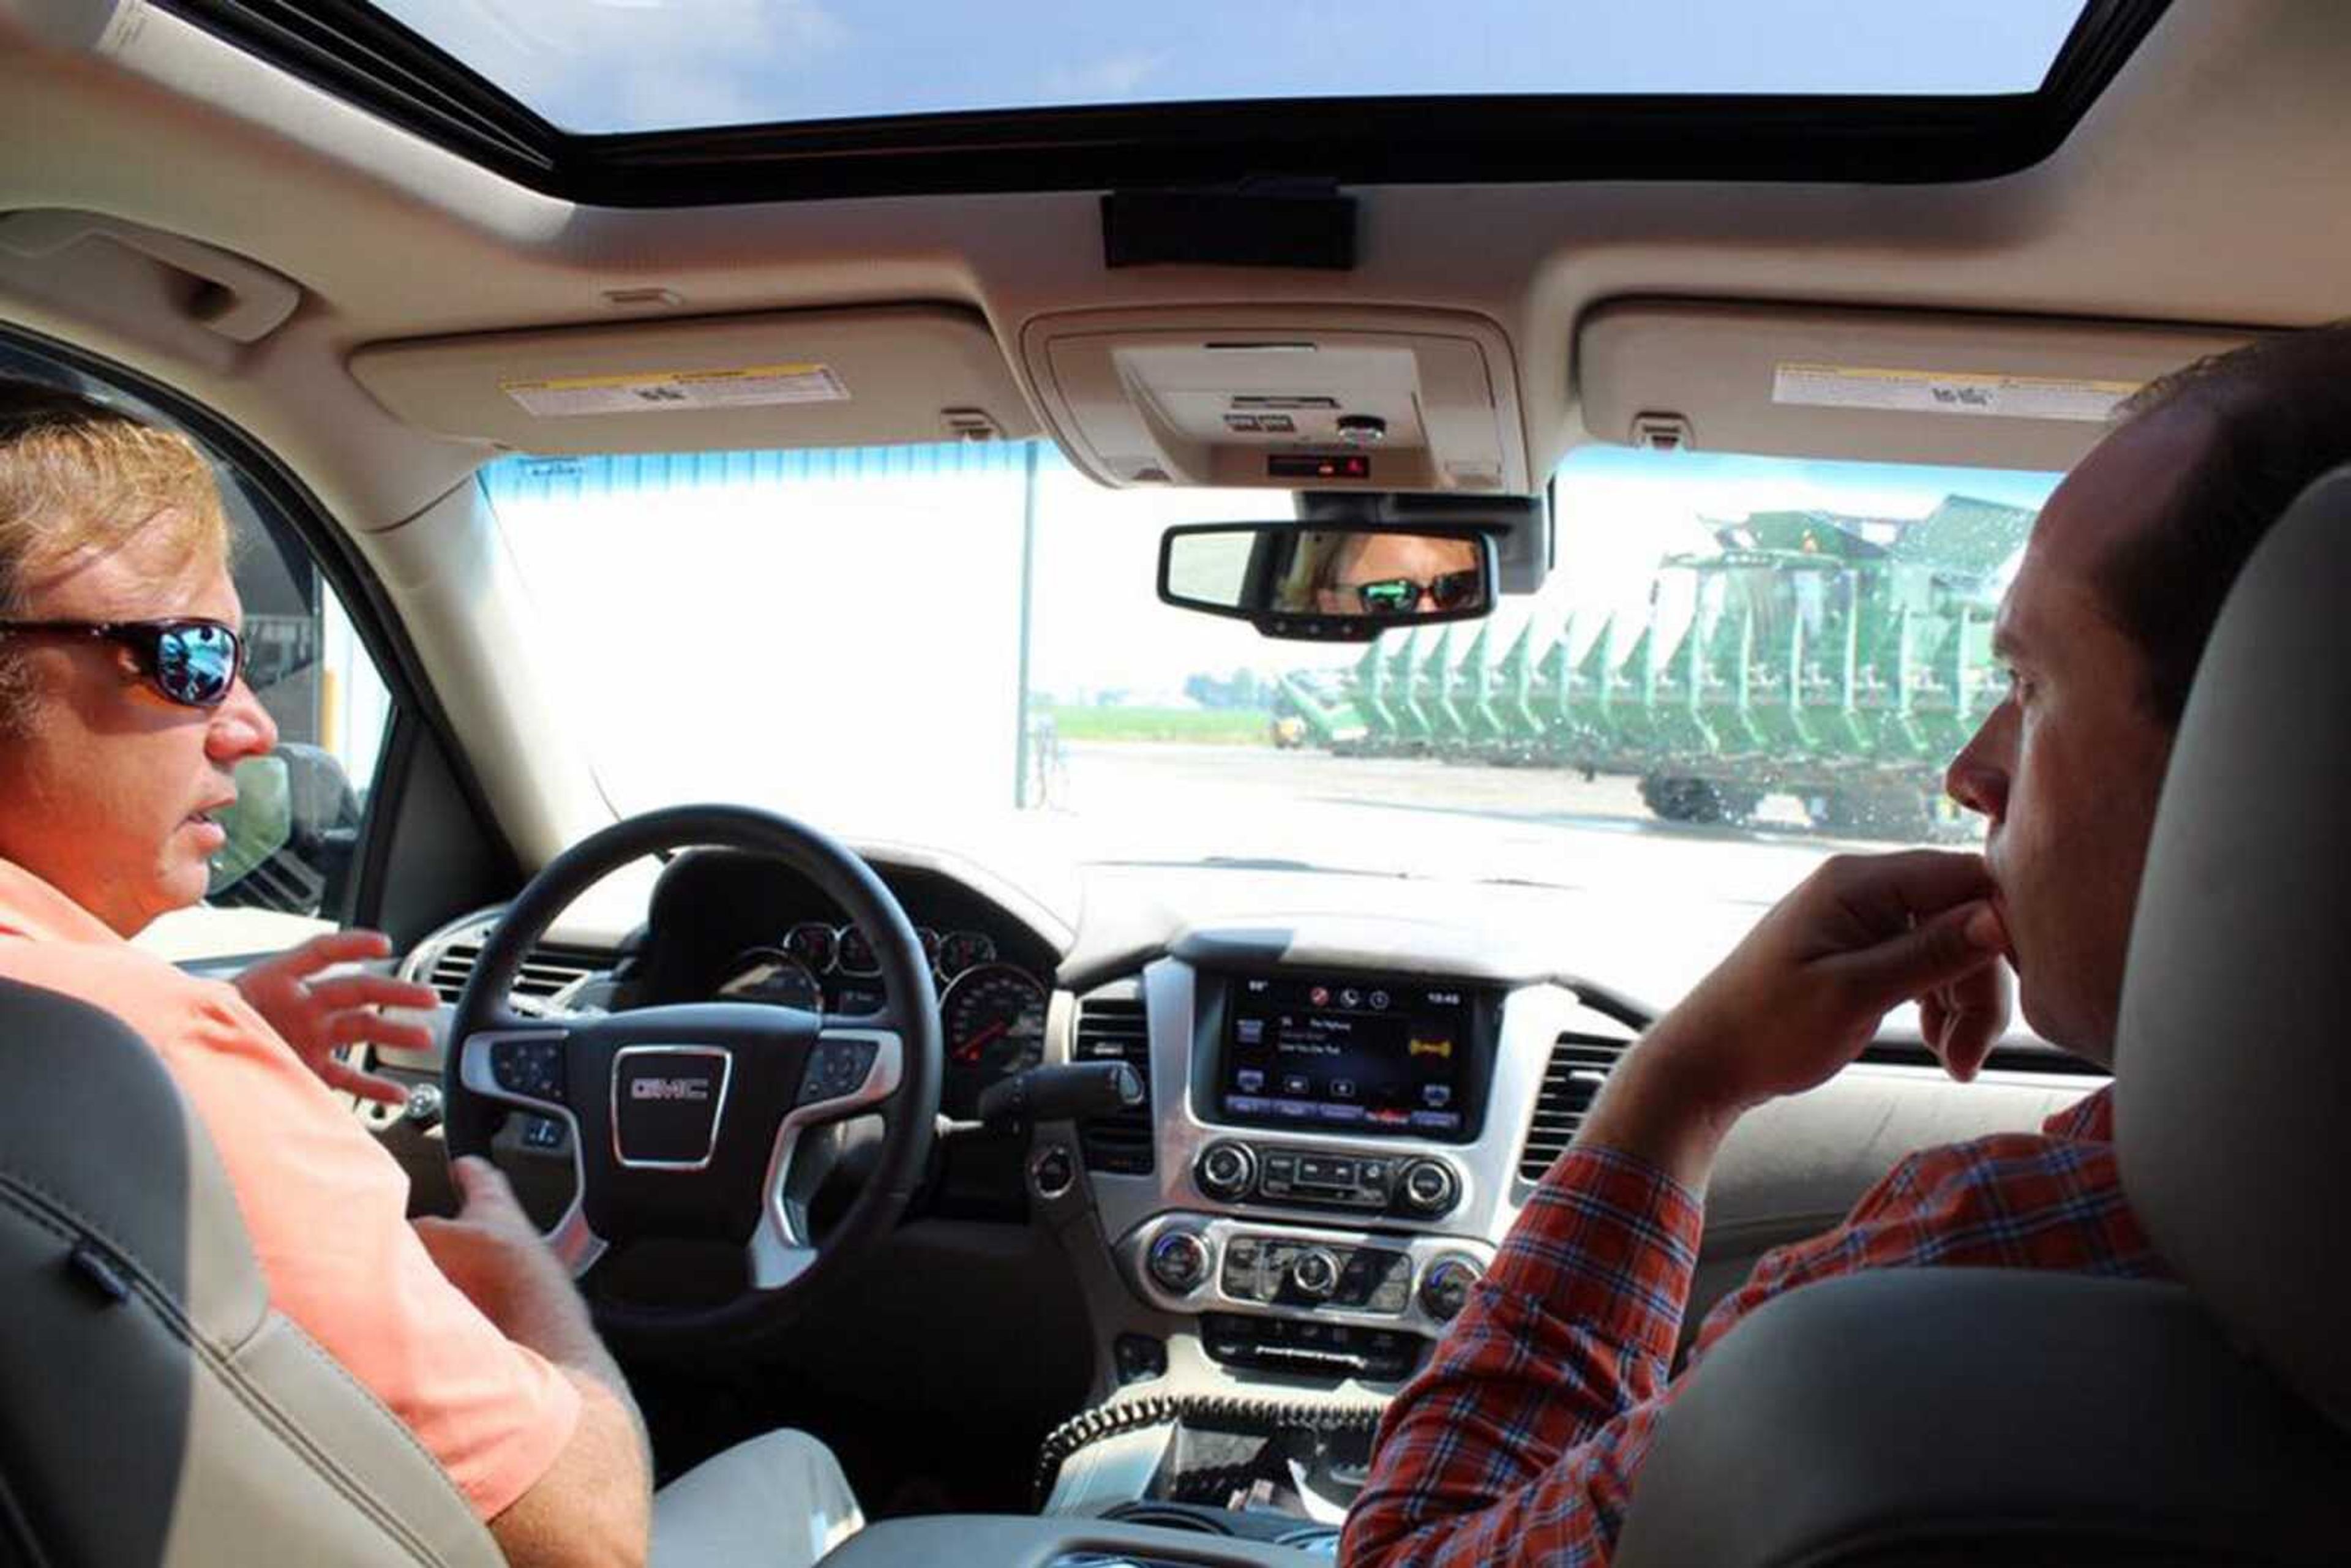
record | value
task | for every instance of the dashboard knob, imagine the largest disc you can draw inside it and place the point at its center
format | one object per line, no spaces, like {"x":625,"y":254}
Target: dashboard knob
{"x":1430,"y":1187}
{"x":1445,"y":1287}
{"x":1225,"y":1171}
{"x":1315,"y":1272}
{"x":1179,"y":1261}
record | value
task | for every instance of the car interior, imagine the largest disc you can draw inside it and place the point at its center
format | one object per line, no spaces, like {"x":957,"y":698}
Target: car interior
{"x":908,"y":1036}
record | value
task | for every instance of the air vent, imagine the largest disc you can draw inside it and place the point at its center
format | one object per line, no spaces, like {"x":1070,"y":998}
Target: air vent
{"x":547,"y":969}
{"x":1112,"y":1029}
{"x":1579,"y":1065}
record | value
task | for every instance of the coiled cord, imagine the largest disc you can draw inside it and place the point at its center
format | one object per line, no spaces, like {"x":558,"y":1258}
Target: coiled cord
{"x":1109,"y":1420}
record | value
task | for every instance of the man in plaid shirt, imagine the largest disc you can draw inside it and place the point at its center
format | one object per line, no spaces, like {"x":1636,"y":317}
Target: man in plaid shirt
{"x":1523,"y":1439}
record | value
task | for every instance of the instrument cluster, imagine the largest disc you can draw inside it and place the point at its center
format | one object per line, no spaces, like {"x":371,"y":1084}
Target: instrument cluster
{"x":992,"y":1012}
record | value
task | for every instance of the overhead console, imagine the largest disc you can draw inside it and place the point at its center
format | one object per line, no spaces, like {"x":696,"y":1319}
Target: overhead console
{"x":1290,"y":398}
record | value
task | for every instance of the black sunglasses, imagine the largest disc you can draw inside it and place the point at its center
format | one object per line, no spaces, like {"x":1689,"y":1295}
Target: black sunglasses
{"x":192,"y":661}
{"x":1395,"y":595}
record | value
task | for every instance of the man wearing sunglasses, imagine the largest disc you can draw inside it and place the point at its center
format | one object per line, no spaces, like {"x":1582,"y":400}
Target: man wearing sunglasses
{"x":1397,"y":574}
{"x":122,"y":713}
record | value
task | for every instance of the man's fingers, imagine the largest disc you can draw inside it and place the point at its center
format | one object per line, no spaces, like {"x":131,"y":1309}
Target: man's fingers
{"x":1892,"y":892}
{"x":362,"y":1026}
{"x":373,"y":992}
{"x":482,"y":1184}
{"x":353,"y":947}
{"x":1975,"y":1010}
{"x":1935,"y":952}
{"x":342,"y":1075}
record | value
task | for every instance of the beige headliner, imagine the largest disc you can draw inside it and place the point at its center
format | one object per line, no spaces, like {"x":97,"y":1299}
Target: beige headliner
{"x":2210,"y":186}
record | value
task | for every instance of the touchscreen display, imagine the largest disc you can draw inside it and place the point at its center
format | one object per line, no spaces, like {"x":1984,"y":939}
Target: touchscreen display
{"x":1350,"y":1055}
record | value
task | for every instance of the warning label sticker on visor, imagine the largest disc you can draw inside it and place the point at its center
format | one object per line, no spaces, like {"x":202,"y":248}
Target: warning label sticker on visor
{"x":1938,"y":392}
{"x":746,"y":387}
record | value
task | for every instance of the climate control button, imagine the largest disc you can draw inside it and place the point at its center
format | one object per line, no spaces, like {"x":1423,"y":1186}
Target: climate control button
{"x":1179,"y":1260}
{"x":1314,"y":1273}
{"x":1225,"y":1171}
{"x":1445,"y":1287}
{"x":1430,"y":1187}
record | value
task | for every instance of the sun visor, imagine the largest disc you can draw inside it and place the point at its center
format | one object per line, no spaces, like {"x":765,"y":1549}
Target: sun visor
{"x":1290,"y":398}
{"x":2001,"y":392}
{"x":820,"y":378}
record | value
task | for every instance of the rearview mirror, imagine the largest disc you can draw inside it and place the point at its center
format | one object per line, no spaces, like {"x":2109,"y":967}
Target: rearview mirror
{"x":1327,"y":584}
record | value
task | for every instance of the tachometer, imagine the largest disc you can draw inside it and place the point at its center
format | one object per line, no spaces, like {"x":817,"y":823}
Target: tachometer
{"x":994,"y":1019}
{"x":768,"y":974}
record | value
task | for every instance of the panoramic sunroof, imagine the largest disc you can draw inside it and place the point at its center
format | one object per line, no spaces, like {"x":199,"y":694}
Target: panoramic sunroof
{"x":594,"y":67}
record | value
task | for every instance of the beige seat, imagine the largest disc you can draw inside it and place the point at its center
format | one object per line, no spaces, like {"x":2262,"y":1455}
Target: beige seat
{"x":1956,"y":1416}
{"x":153,"y":1408}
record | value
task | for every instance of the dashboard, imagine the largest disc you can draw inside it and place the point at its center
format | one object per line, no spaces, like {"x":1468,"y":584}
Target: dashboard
{"x":1345,"y":1113}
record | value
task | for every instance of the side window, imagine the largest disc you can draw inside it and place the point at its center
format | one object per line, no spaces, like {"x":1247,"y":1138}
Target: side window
{"x":293,"y":845}
{"x":289,"y":868}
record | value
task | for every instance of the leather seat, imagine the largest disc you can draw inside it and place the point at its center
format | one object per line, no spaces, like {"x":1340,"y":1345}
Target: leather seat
{"x":153,"y":1408}
{"x":1931,"y":1416}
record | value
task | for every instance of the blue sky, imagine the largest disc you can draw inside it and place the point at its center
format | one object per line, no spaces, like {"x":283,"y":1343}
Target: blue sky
{"x":620,"y":65}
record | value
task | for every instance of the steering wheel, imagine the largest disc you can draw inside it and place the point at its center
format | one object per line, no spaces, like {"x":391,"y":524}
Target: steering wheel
{"x":684,"y":1120}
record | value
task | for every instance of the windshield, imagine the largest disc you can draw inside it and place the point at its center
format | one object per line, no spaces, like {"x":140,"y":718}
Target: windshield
{"x":1736,"y":666}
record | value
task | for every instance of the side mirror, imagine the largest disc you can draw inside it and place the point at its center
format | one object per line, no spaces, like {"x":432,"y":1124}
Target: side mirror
{"x":1311,"y":583}
{"x":291,"y":833}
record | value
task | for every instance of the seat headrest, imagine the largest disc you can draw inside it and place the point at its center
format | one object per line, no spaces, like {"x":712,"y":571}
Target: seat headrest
{"x":2233,"y":1060}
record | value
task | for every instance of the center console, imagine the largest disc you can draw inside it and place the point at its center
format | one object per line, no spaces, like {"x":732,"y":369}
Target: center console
{"x":1336,"y":1142}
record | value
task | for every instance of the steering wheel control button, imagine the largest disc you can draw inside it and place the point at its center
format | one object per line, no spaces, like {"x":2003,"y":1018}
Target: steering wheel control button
{"x":666,"y":1105}
{"x":1225,"y":1172}
{"x":1179,"y":1261}
{"x":1444,"y":1289}
{"x":836,"y":1068}
{"x":532,"y":1069}
{"x":542,"y":1133}
{"x":1051,"y":1172}
{"x":1314,"y":1273}
{"x":1430,"y":1187}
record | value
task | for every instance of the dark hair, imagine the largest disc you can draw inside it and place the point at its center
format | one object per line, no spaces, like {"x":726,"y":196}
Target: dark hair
{"x":2276,"y":416}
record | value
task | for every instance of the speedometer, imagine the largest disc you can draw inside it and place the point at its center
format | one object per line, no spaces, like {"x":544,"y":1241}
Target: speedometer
{"x":995,"y":1025}
{"x":768,"y":974}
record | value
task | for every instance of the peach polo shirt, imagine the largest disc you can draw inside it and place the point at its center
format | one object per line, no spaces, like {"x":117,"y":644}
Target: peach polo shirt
{"x":325,"y":1204}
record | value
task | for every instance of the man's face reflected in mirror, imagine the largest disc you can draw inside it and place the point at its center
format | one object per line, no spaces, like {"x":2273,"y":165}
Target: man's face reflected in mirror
{"x":1398,"y":574}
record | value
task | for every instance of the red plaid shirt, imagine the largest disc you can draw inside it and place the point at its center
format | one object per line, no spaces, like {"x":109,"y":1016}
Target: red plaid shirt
{"x":1520,"y":1441}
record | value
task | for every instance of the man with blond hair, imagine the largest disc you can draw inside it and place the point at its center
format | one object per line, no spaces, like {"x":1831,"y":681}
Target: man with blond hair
{"x":123,"y":713}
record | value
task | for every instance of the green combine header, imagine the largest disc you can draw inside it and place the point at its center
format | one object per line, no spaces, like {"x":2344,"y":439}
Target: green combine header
{"x":1839,"y":660}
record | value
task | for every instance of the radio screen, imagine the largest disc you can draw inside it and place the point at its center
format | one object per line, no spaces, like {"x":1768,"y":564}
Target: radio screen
{"x":1349,"y":1055}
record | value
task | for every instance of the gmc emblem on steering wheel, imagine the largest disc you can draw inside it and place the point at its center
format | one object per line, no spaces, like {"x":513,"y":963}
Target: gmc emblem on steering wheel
{"x":667,"y":1103}
{"x":670,"y":1089}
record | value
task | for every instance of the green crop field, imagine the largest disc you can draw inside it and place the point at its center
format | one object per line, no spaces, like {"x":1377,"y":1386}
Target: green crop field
{"x":1203,"y":727}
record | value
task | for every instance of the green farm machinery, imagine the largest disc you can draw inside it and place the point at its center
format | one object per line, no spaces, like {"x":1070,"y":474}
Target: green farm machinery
{"x":1838,"y":660}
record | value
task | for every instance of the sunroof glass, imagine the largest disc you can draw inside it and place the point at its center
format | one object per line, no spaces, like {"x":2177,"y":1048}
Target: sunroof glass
{"x":595,"y":66}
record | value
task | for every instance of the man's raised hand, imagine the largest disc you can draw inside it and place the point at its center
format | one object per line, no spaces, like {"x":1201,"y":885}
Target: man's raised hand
{"x":319,"y":1016}
{"x":1805,"y":991}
